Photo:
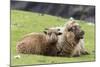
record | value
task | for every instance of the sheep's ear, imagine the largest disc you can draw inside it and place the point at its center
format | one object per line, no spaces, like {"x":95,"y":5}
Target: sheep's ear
{"x":45,"y":32}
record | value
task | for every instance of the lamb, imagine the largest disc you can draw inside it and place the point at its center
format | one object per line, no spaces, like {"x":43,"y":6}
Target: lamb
{"x":39,"y":43}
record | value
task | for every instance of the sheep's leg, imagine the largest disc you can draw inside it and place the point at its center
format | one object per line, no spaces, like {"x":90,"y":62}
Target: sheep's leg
{"x":77,"y":54}
{"x":76,"y":51}
{"x":82,"y":50}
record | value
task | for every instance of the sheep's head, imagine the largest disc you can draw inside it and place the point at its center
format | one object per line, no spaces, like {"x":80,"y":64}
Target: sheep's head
{"x":52,"y":35}
{"x":75,"y":29}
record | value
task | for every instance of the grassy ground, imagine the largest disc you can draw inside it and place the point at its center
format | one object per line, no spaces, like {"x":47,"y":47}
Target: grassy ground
{"x":26,"y":22}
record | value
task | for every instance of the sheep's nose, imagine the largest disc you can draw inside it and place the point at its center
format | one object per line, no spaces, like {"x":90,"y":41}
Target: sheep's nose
{"x":82,"y":32}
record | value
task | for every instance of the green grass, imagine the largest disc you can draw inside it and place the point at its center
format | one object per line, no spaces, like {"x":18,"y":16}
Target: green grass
{"x":23,"y":22}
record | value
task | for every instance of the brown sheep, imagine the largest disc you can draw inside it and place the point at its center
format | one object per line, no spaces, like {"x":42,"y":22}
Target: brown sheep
{"x":39,"y":43}
{"x":80,"y":48}
{"x":68,"y":43}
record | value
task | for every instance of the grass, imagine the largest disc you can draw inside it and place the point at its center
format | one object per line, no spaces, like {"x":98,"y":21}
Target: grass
{"x":23,"y":22}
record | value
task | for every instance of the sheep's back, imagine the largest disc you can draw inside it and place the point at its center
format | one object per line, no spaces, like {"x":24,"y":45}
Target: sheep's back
{"x":32,"y":43}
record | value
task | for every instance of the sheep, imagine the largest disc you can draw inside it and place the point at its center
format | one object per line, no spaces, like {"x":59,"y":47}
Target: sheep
{"x":71,"y":42}
{"x":68,"y":41}
{"x":39,"y":43}
{"x":79,"y":48}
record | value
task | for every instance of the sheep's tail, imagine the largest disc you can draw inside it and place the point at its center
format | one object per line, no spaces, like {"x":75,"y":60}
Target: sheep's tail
{"x":19,"y":47}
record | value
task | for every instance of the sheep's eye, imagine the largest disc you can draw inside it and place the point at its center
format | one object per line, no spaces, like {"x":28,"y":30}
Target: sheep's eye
{"x":77,"y":27}
{"x":58,"y":29}
{"x":70,"y":29}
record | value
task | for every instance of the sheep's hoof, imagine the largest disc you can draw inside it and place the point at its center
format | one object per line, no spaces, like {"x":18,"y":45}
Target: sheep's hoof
{"x":85,"y":53}
{"x":76,"y":55}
